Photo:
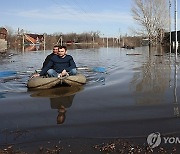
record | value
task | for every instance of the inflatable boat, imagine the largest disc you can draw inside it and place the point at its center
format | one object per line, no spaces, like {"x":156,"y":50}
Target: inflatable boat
{"x":46,"y":83}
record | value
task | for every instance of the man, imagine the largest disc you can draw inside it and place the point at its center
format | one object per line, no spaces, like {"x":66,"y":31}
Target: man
{"x":59,"y":65}
{"x":55,"y":52}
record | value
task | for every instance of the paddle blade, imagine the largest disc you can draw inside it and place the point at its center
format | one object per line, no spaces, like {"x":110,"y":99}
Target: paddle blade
{"x":95,"y":69}
{"x":7,"y":73}
{"x":99,"y":69}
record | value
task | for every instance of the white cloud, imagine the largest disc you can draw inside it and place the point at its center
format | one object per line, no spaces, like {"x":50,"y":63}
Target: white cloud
{"x":66,"y":19}
{"x":72,"y":14}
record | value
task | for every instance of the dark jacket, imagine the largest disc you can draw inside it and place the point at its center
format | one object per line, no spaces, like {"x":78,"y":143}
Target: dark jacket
{"x":48,"y":58}
{"x":59,"y":64}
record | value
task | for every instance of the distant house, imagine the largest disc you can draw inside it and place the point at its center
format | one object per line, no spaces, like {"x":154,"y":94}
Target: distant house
{"x":69,"y":42}
{"x":33,"y":38}
{"x":145,"y":42}
{"x":3,"y":33}
{"x":173,"y":37}
{"x":3,"y":39}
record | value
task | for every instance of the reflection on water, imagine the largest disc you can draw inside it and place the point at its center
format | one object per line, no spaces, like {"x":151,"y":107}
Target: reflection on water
{"x":2,"y":95}
{"x":153,"y":79}
{"x":176,"y":108}
{"x":60,"y":98}
{"x":152,"y":82}
{"x":32,"y":47}
{"x":56,"y":92}
{"x":61,"y":104}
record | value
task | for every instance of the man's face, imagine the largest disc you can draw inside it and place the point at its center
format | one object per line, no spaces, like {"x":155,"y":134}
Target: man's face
{"x":55,"y":50}
{"x":62,"y":52}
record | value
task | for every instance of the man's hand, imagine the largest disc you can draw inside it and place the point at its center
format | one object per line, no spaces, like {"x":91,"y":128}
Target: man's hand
{"x":59,"y":75}
{"x":35,"y":75}
{"x":63,"y":73}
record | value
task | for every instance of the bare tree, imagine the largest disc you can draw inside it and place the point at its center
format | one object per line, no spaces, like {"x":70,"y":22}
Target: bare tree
{"x":152,"y":17}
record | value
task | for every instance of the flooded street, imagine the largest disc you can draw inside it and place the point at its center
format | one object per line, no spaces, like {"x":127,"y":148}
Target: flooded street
{"x":137,"y":95}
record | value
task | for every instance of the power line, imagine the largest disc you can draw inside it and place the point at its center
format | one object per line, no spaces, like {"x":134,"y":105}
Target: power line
{"x":85,"y":14}
{"x":59,"y":5}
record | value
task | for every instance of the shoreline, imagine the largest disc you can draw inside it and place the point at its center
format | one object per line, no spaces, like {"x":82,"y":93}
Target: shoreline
{"x":90,"y":145}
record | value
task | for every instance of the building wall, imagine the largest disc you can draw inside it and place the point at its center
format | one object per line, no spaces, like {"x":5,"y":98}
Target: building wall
{"x":173,"y":35}
{"x":3,"y":45}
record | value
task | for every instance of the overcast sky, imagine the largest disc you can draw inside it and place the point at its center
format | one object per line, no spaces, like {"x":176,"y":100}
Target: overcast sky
{"x":110,"y":17}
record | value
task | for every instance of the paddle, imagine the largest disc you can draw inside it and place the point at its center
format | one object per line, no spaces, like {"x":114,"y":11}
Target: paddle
{"x":94,"y":69}
{"x":7,"y":73}
{"x":11,"y":73}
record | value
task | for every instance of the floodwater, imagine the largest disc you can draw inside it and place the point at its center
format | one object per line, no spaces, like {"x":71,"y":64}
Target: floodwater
{"x":138,"y":94}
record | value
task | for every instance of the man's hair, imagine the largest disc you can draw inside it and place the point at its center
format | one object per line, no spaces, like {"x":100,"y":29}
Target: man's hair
{"x":61,"y":47}
{"x":56,"y":46}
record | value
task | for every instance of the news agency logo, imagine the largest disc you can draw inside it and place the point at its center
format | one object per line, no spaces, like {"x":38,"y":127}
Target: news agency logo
{"x":155,"y":139}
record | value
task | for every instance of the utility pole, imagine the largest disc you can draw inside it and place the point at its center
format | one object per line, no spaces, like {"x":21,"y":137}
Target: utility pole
{"x":61,"y":40}
{"x":23,"y":39}
{"x":176,"y":109}
{"x":170,"y":22}
{"x":176,"y":41}
{"x":44,"y":41}
{"x":103,"y":39}
{"x":23,"y":42}
{"x":119,"y":36}
{"x":107,"y":42}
